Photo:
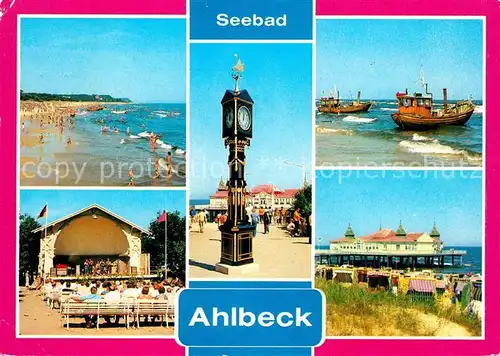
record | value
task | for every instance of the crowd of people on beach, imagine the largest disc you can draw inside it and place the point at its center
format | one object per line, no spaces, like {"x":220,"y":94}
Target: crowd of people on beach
{"x":55,"y":292}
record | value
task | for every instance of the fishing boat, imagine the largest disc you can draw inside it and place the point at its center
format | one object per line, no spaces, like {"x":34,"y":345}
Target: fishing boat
{"x":418,"y":112}
{"x":333,"y":105}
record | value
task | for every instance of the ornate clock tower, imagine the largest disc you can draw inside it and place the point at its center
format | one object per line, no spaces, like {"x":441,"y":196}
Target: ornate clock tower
{"x":237,"y":122}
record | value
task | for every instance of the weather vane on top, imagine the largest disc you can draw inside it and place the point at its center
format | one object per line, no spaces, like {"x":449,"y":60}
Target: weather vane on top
{"x":238,"y":69}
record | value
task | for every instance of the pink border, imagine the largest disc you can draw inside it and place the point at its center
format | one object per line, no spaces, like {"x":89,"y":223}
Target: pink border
{"x":8,"y":26}
{"x":11,"y":345}
{"x":490,"y":9}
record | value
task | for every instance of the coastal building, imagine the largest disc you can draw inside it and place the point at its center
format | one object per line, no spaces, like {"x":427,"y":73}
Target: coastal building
{"x":389,"y":240}
{"x":92,"y":233}
{"x":389,"y":248}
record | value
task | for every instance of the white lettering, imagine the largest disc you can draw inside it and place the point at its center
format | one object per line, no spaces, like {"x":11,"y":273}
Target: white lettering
{"x":241,"y":318}
{"x":216,"y":314}
{"x":79,"y":174}
{"x":255,"y":20}
{"x":301,"y":318}
{"x":266,"y":319}
{"x":110,"y":165}
{"x":243,"y":315}
{"x":280,"y":321}
{"x":222,"y":20}
{"x":199,"y":317}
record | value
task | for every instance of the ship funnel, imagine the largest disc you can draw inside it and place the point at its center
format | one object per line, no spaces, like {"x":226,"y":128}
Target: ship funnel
{"x":445,"y":100}
{"x":359,"y":96}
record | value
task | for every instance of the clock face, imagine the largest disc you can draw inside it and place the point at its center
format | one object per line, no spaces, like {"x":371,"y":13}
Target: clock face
{"x":244,"y":120}
{"x":229,"y":118}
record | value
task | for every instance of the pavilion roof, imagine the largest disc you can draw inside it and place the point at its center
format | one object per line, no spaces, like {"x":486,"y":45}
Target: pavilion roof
{"x":90,"y":207}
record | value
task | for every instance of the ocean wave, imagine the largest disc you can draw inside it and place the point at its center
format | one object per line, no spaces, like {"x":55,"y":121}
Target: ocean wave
{"x":164,"y":145}
{"x":479,"y":109}
{"x":388,"y":109}
{"x":143,"y":134}
{"x":434,"y":147}
{"x":351,"y":118}
{"x":160,"y":115}
{"x":134,"y":136}
{"x":179,"y":152}
{"x":417,"y":137}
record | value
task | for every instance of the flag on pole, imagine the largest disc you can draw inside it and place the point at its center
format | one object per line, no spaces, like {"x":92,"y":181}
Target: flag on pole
{"x":43,"y":213}
{"x":163,"y":217}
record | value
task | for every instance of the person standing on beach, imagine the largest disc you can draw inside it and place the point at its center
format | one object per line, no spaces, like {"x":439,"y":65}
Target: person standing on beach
{"x":157,"y":169}
{"x":128,"y":131}
{"x":296,"y":220}
{"x":169,"y":162}
{"x":131,"y":182}
{"x":40,"y":139}
{"x":23,"y":129}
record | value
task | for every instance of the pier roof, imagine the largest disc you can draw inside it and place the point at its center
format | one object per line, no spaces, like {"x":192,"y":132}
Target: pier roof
{"x":386,"y":235}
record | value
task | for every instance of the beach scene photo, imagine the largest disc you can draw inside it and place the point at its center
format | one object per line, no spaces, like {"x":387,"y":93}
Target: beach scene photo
{"x":399,"y":92}
{"x":102,"y":102}
{"x":250,"y":186}
{"x":400,"y":253}
{"x":100,"y":263}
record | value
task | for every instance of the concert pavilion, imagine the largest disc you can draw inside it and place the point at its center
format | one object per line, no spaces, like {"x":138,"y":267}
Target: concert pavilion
{"x":91,"y":234}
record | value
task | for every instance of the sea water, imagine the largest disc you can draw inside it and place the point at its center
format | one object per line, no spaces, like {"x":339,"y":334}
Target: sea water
{"x":96,"y":147}
{"x":472,"y":261}
{"x":372,"y":138}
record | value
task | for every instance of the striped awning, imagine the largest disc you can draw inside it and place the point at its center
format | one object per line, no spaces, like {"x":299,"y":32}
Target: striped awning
{"x":422,"y":285}
{"x":440,"y":284}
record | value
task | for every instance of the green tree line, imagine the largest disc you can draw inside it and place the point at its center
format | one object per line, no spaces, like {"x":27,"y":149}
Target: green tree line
{"x":71,"y":97}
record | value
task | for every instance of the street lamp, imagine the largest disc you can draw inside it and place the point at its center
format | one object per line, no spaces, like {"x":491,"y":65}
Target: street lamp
{"x":302,"y":166}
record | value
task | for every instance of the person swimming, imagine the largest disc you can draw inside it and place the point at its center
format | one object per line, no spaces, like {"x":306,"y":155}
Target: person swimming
{"x":131,"y":182}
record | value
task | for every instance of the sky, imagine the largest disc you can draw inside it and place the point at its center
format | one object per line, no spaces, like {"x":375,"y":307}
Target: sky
{"x":139,"y":207}
{"x":278,"y":77}
{"x":382,"y":57}
{"x":367,"y":199}
{"x":141,"y":59}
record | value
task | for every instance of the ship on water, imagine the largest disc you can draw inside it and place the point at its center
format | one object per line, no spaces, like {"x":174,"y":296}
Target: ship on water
{"x":333,"y":105}
{"x":417,"y":111}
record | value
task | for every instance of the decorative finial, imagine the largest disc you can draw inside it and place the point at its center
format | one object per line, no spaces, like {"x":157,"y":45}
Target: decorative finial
{"x":401,"y":231}
{"x":237,"y":73}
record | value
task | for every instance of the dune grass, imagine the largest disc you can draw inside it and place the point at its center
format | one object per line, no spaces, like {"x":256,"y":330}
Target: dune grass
{"x":357,"y":311}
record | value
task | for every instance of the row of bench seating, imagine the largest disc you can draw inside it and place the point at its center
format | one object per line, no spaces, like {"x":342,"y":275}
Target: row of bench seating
{"x":128,"y":309}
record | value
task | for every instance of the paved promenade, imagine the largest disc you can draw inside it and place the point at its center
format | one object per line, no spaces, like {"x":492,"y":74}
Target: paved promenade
{"x":277,"y":254}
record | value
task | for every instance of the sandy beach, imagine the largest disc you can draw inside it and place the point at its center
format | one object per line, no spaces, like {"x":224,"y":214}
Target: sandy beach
{"x":36,"y":318}
{"x":277,"y":254}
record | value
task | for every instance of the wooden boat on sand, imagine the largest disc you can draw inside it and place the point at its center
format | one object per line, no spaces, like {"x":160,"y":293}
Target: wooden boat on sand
{"x":417,"y":112}
{"x":333,"y":105}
